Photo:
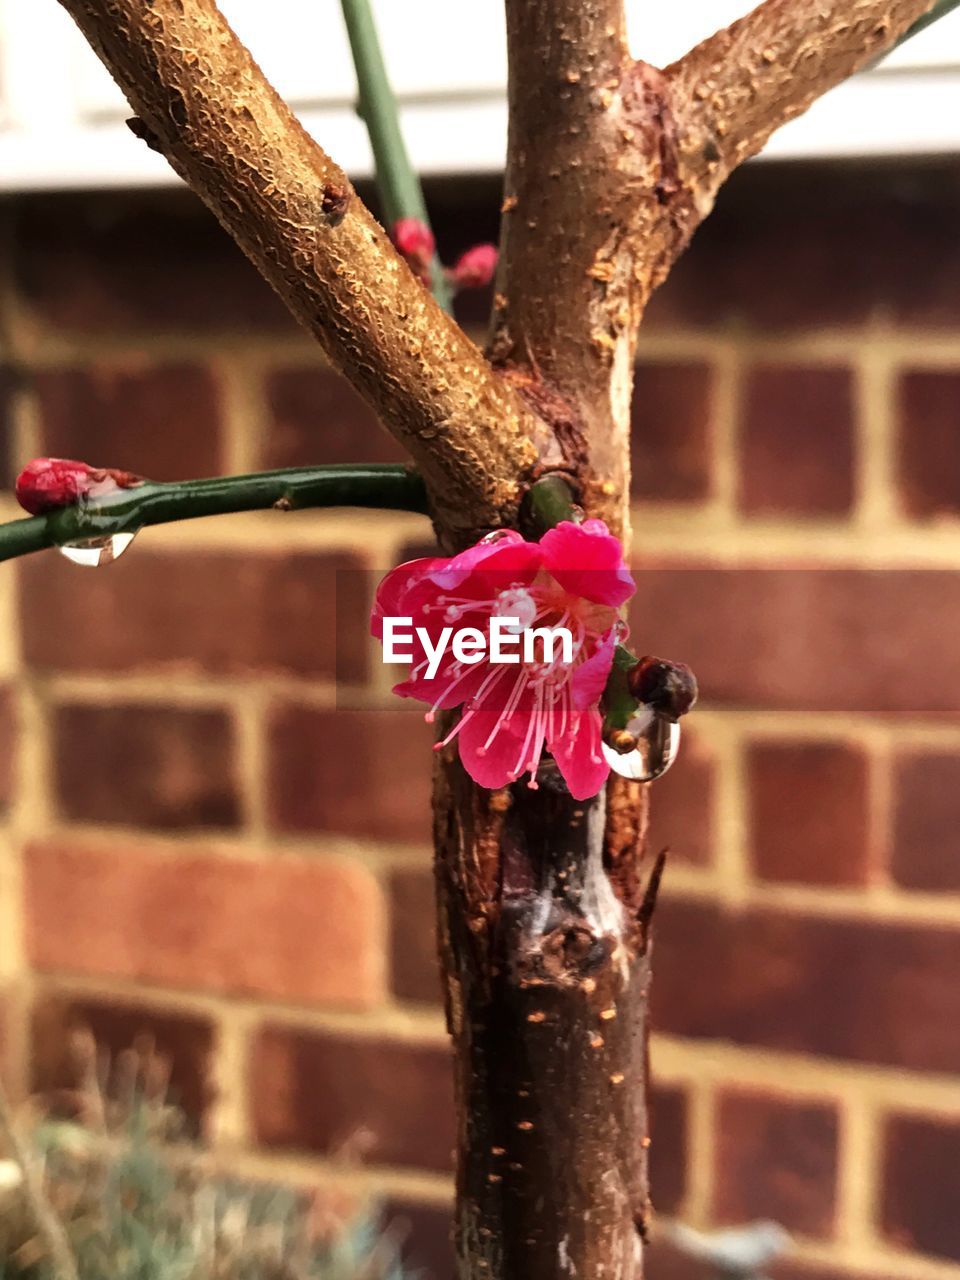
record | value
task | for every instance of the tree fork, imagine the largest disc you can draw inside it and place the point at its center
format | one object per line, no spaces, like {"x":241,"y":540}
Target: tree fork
{"x":206,"y":105}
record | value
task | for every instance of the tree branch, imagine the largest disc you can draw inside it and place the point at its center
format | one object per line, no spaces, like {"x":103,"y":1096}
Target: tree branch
{"x":733,"y":91}
{"x":562,"y":299}
{"x":939,"y":10}
{"x":224,"y":129}
{"x":390,"y":486}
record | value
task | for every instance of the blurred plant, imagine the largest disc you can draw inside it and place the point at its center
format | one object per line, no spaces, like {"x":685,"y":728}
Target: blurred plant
{"x":103,"y":1185}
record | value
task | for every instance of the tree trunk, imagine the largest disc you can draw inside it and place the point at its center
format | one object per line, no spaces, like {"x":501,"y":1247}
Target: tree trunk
{"x":544,"y":941}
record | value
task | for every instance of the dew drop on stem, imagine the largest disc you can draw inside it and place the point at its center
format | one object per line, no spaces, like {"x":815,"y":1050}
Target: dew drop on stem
{"x":658,"y":743}
{"x":93,"y":552}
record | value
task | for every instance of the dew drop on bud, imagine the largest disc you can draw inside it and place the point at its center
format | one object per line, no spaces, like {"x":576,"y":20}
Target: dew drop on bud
{"x":658,"y":743}
{"x":93,"y":552}
{"x":497,"y":535}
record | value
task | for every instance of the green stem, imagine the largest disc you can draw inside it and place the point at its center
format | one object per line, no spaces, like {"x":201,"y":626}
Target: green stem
{"x":388,"y":486}
{"x":939,"y":10}
{"x":397,"y":181}
{"x":548,"y":501}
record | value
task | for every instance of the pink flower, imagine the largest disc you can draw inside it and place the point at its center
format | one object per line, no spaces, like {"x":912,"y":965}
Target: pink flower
{"x":414,"y":240}
{"x":47,"y":484}
{"x":573,"y":578}
{"x":475,"y":268}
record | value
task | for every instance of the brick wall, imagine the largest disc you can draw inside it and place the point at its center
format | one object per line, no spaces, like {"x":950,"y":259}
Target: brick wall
{"x":200,"y":836}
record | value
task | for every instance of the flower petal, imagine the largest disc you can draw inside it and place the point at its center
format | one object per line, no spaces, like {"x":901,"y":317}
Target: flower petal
{"x":587,"y":561}
{"x":589,"y":680}
{"x":398,"y":595}
{"x":493,"y":765}
{"x":580,"y":759}
{"x":495,"y":564}
{"x":448,"y":688}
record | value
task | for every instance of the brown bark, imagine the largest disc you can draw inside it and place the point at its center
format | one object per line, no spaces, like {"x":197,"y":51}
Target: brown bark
{"x":565,"y":318}
{"x":544,"y":910}
{"x":207,"y":106}
{"x":548,"y":963}
{"x":547,"y":972}
{"x":734,"y":90}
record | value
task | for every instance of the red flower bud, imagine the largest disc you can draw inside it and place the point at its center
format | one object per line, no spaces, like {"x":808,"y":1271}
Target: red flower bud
{"x":47,"y":484}
{"x":415,"y":242}
{"x":475,"y":268}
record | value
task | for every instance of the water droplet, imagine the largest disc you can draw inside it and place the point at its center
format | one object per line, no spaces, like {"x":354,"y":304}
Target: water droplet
{"x":621,"y":631}
{"x":92,"y":552}
{"x":498,"y":535}
{"x":658,"y":743}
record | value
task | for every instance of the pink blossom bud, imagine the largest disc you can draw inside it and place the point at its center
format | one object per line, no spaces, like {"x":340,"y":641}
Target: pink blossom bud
{"x":47,"y":484}
{"x":475,"y":268}
{"x":415,"y":242}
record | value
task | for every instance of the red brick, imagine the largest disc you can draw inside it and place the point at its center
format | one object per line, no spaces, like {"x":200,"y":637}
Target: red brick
{"x":425,"y":546}
{"x":9,"y":382}
{"x":928,"y":452}
{"x":161,"y":421}
{"x":672,"y":429}
{"x":839,"y":639}
{"x":144,"y":262}
{"x":291,"y":928}
{"x":317,"y":417}
{"x":413,"y":937}
{"x":789,"y":1270}
{"x":926,"y":820}
{"x":669,"y":1153}
{"x":185,"y":1041}
{"x":776,"y":1157}
{"x":365,"y":772}
{"x":809,"y":812}
{"x":805,"y":247}
{"x":8,"y":745}
{"x":797,"y":441}
{"x":426,"y":1231}
{"x":138,"y":263}
{"x":144,"y":765}
{"x":681,"y":807}
{"x":662,"y":1261}
{"x":838,"y":988}
{"x":920,"y":1162}
{"x":317,"y":1091}
{"x":223,"y":613}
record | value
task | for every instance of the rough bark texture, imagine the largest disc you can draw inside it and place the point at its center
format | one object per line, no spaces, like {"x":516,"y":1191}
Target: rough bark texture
{"x":548,"y":983}
{"x":734,"y":90}
{"x":206,"y":105}
{"x":563,"y":318}
{"x":547,"y":974}
{"x":544,"y":902}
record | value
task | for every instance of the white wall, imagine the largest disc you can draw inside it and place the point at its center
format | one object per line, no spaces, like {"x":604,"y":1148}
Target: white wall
{"x":61,"y":117}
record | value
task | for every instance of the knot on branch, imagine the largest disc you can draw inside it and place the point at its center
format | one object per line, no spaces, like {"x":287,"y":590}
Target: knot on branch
{"x":334,"y":202}
{"x":648,"y":109}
